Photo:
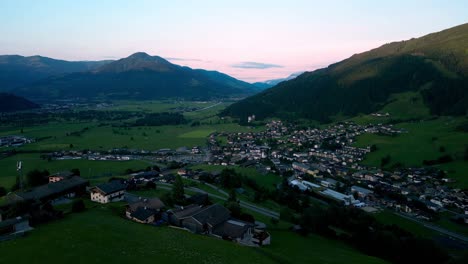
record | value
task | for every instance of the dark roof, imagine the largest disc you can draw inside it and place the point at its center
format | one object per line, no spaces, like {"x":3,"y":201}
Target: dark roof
{"x":186,"y":211}
{"x":150,"y":203}
{"x":54,"y":188}
{"x":12,"y":221}
{"x":213,"y":215}
{"x":142,"y":214}
{"x":200,"y":199}
{"x":64,"y":174}
{"x":111,"y":187}
{"x":232,"y":228}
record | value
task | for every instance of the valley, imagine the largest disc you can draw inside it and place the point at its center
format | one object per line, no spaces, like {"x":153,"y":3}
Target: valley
{"x":255,"y":148}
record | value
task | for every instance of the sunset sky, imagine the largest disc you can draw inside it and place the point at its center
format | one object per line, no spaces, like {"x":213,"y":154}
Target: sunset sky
{"x":250,"y":40}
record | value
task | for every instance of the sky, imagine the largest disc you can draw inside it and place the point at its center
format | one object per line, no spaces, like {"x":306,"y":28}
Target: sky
{"x":252,"y":40}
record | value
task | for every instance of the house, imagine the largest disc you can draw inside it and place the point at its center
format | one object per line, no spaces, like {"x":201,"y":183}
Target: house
{"x":145,"y":211}
{"x":214,"y":220}
{"x":59,"y":176}
{"x":361,"y":192}
{"x":108,"y":192}
{"x":234,"y":230}
{"x":200,"y":219}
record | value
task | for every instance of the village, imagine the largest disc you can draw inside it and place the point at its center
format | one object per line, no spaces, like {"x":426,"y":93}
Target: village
{"x":322,"y":163}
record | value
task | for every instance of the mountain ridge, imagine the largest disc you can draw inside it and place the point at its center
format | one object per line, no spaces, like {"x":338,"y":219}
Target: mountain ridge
{"x":434,"y":65}
{"x":11,"y":103}
{"x":138,"y":76}
{"x":17,"y":70}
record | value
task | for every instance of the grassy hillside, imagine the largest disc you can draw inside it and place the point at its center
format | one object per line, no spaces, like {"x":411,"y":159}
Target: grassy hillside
{"x":424,"y":140}
{"x":433,"y":66}
{"x":100,"y":235}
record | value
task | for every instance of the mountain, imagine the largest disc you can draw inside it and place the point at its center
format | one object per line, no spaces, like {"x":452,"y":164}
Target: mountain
{"x":16,"y":71}
{"x":434,"y":66}
{"x":139,"y":76}
{"x":11,"y":103}
{"x":271,"y":83}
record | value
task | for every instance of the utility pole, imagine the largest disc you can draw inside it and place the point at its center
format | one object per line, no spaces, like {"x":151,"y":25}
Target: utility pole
{"x":19,"y":168}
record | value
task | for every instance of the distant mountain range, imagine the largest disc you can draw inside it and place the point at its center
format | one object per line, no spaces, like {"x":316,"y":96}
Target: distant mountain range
{"x":271,"y":83}
{"x":139,"y":76}
{"x":11,"y":103}
{"x":17,"y":71}
{"x":435,"y":66}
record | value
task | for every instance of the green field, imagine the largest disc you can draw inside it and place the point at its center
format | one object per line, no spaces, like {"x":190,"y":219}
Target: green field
{"x":389,"y":218}
{"x":107,"y":137}
{"x":155,"y":105}
{"x":98,"y":136}
{"x":98,"y":235}
{"x":93,"y":170}
{"x":422,"y":142}
{"x":401,"y":106}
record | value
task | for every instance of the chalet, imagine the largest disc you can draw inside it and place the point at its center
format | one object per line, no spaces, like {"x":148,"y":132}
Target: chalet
{"x":234,"y":230}
{"x":214,"y":220}
{"x":145,"y":211}
{"x":108,"y":192}
{"x":205,"y":219}
{"x":59,"y":176}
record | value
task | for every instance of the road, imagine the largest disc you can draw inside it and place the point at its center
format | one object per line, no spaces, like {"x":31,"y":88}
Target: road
{"x":208,"y":107}
{"x":224,"y":197}
{"x":435,"y":228}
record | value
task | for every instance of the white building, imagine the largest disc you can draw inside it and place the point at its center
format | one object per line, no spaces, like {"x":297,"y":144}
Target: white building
{"x":299,"y":185}
{"x":108,"y":192}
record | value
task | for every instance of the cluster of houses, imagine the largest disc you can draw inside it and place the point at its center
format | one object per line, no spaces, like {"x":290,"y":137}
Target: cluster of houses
{"x":183,"y":154}
{"x":322,"y":159}
{"x":88,"y":155}
{"x":200,"y":216}
{"x":22,"y":208}
{"x":14,"y":141}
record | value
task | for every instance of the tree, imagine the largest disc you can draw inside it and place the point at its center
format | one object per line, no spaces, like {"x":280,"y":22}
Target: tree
{"x":234,"y":208}
{"x":274,"y":221}
{"x":151,"y":185}
{"x":3,"y":191}
{"x":37,"y":177}
{"x":178,"y":193}
{"x":78,"y":206}
{"x":385,"y":161}
{"x":465,"y":156}
{"x":232,"y":196}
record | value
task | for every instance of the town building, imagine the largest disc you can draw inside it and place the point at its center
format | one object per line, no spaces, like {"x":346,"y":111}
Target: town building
{"x":108,"y":192}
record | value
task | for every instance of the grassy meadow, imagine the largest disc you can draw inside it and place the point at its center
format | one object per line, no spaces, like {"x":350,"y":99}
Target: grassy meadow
{"x":90,"y":169}
{"x":100,"y":235}
{"x":424,"y":140}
